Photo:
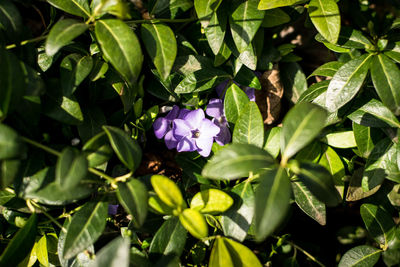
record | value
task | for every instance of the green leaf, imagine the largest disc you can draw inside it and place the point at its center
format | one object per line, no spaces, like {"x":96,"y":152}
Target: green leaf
{"x":160,"y":43}
{"x":5,"y":196}
{"x":275,"y":17}
{"x":212,"y":201}
{"x":121,"y":47}
{"x":272,"y":141}
{"x":133,"y":197}
{"x":41,"y":251}
{"x":394,"y":52}
{"x":355,"y":191}
{"x":126,"y":148}
{"x":325,"y":16}
{"x":97,"y":150}
{"x":86,"y":226}
{"x":366,"y":138}
{"x":374,"y":114}
{"x":348,"y":38}
{"x":194,"y":222}
{"x":247,"y":77}
{"x":114,"y":254}
{"x":344,"y":139}
{"x":270,"y":4}
{"x":308,"y":203}
{"x":201,"y":80}
{"x":94,"y":119}
{"x":220,"y":255}
{"x":205,"y":9}
{"x":300,"y":126}
{"x":21,"y":244}
{"x":170,"y":239}
{"x":74,"y":69}
{"x":318,"y":180}
{"x":234,"y":103}
{"x":158,"y":206}
{"x":63,"y":32}
{"x":74,"y":7}
{"x":215,"y":31}
{"x":314,"y":92}
{"x":383,"y":74}
{"x":10,"y":20}
{"x":71,"y":168}
{"x":249,"y":128}
{"x":272,"y":202}
{"x":241,"y":254}
{"x":360,"y":256}
{"x":236,"y":221}
{"x":11,"y":145}
{"x":168,"y":192}
{"x":346,"y":82}
{"x":378,"y":222}
{"x":333,"y":163}
{"x":328,"y":69}
{"x":293,"y":79}
{"x":244,"y":22}
{"x":380,"y":164}
{"x":237,"y":160}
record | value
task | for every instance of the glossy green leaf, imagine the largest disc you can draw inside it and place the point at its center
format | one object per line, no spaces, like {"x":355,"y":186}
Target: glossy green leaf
{"x":74,"y":7}
{"x":308,"y":203}
{"x":241,"y":255}
{"x":71,"y":168}
{"x":270,"y":4}
{"x":275,"y":17}
{"x":272,"y":202}
{"x":168,"y":191}
{"x":383,"y":74}
{"x":97,"y":150}
{"x":328,"y":69}
{"x":314,"y":92}
{"x":355,"y":191}
{"x":121,"y":47}
{"x":21,"y":244}
{"x":126,"y":148}
{"x":394,"y":52}
{"x":247,"y":77}
{"x":248,"y":58}
{"x":319,"y":181}
{"x":10,"y":20}
{"x":333,"y":163}
{"x":249,"y":128}
{"x":348,"y":38}
{"x":160,"y":43}
{"x":158,"y":206}
{"x":133,"y":197}
{"x":86,"y":226}
{"x":215,"y":31}
{"x":366,"y":138}
{"x":272,"y":141}
{"x":212,"y":201}
{"x":63,"y":32}
{"x":201,"y":80}
{"x":244,"y":22}
{"x":205,"y":9}
{"x":10,"y":143}
{"x":234,"y":103}
{"x":293,"y":80}
{"x":237,"y":160}
{"x":74,"y":69}
{"x":220,"y":255}
{"x":325,"y":16}
{"x":114,"y":254}
{"x":194,"y":222}
{"x":41,"y":251}
{"x":380,"y":164}
{"x":378,"y":222}
{"x":170,"y":239}
{"x":374,"y":114}
{"x":347,"y":82}
{"x":344,"y":139}
{"x":236,"y":221}
{"x":300,"y":126}
{"x":360,"y":256}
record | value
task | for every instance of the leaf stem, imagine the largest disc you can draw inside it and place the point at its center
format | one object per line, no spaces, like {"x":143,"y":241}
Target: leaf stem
{"x":52,"y":219}
{"x":102,"y":174}
{"x":39,"y":145}
{"x":37,"y":39}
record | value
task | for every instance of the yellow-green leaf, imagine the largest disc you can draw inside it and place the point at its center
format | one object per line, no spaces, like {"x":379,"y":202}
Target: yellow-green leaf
{"x":211,"y":201}
{"x":194,"y":222}
{"x":168,"y":191}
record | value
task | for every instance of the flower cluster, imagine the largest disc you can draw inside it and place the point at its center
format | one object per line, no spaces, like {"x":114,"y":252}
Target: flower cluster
{"x":190,"y":130}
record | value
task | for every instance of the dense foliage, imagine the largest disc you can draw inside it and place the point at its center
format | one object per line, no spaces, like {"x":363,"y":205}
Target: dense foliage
{"x":186,"y":132}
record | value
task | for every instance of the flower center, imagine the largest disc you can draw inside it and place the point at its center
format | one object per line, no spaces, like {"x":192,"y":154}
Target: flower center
{"x":195,"y":133}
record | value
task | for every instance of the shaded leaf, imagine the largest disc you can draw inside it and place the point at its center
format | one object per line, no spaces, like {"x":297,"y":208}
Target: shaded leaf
{"x":360,"y":256}
{"x":11,"y":145}
{"x":97,"y":150}
{"x":114,"y":254}
{"x":71,"y":168}
{"x":293,"y":79}
{"x":275,"y":17}
{"x":201,"y":80}
{"x":10,"y":20}
{"x":355,"y":191}
{"x":74,"y":69}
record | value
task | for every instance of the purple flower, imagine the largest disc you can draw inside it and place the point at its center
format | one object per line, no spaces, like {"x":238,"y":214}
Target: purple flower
{"x":215,"y":109}
{"x":195,"y":133}
{"x":163,"y":127}
{"x":112,"y":209}
{"x":250,"y":92}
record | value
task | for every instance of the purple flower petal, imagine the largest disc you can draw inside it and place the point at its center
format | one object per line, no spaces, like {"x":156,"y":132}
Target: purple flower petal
{"x":204,"y":145}
{"x":183,"y":113}
{"x":224,"y":136}
{"x":112,"y":209}
{"x":181,"y":128}
{"x":186,"y":144}
{"x":208,"y":129}
{"x":194,"y":118}
{"x":170,"y":141}
{"x":221,"y":89}
{"x":250,"y":93}
{"x":161,"y":126}
{"x":173,"y":114}
{"x":215,"y":108}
